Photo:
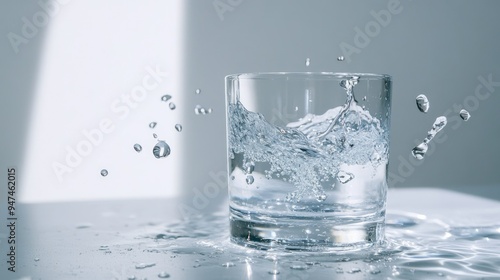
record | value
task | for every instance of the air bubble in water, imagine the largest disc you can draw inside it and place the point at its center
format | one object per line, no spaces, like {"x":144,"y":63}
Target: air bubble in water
{"x":464,"y":115}
{"x":250,"y":179}
{"x":345,"y":177}
{"x":197,"y":91}
{"x":308,"y":61}
{"x":166,"y":98}
{"x":161,"y":149}
{"x":104,"y":173}
{"x":152,"y":124}
{"x":138,"y":148}
{"x":340,"y":58}
{"x":163,"y":274}
{"x":171,"y":105}
{"x":178,"y":127}
{"x":321,"y":197}
{"x":422,"y":103}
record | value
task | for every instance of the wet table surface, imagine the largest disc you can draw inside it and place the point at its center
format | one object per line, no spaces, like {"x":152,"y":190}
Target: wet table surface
{"x":431,"y":234}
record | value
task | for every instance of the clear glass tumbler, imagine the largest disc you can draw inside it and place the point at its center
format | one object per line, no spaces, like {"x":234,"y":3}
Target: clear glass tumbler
{"x":307,"y":159}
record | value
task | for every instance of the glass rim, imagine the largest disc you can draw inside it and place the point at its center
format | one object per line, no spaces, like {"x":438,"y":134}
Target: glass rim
{"x":332,"y":75}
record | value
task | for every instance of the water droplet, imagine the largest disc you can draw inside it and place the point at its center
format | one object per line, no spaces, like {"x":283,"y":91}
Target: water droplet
{"x":308,"y":62}
{"x":198,"y":110}
{"x":299,"y":267}
{"x":166,"y":98}
{"x":249,"y":167}
{"x":321,"y":197}
{"x":354,"y":270}
{"x":422,"y":103}
{"x":250,"y":179}
{"x":197,"y":91}
{"x":178,"y":127}
{"x":161,"y":149}
{"x":464,"y":115}
{"x":103,"y":247}
{"x":344,"y":177}
{"x":138,"y":148}
{"x":155,"y":135}
{"x":131,"y":278}
{"x":419,"y":151}
{"x":308,"y":231}
{"x":152,"y":124}
{"x":163,"y":274}
{"x":104,"y":173}
{"x":364,"y":98}
{"x":296,"y":108}
{"x":171,"y":105}
{"x":274,"y":272}
{"x":374,"y":270}
{"x":228,"y":264}
{"x":340,"y":58}
{"x":37,"y":259}
{"x":83,"y":225}
{"x":144,"y":265}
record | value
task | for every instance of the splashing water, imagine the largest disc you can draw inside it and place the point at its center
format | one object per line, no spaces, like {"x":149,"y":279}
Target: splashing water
{"x":104,"y":173}
{"x":464,"y":114}
{"x":138,"y":148}
{"x":419,"y":151}
{"x":161,"y":149}
{"x":422,"y":103}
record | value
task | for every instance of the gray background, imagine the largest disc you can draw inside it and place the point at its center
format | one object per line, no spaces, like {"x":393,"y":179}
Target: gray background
{"x":438,"y":48}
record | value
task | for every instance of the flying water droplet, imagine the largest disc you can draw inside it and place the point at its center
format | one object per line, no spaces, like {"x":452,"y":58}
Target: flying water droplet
{"x":321,"y":197}
{"x":144,"y":265}
{"x":345,"y":177}
{"x":419,"y":151}
{"x":166,"y":98}
{"x":250,"y":179}
{"x":161,"y":149}
{"x":37,"y":259}
{"x":138,"y":148}
{"x":104,"y":173}
{"x":308,"y":62}
{"x":354,"y":270}
{"x":198,"y":110}
{"x":155,"y":135}
{"x":197,"y":91}
{"x":171,"y":105}
{"x":464,"y":115}
{"x":163,"y":274}
{"x":178,"y":127}
{"x":152,"y":124}
{"x":422,"y":103}
{"x":340,"y":58}
{"x":299,"y":267}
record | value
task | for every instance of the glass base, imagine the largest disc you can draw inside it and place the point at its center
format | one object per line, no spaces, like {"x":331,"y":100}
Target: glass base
{"x":306,"y":234}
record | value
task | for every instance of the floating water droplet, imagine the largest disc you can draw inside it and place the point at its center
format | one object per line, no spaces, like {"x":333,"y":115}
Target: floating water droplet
{"x":250,"y":179}
{"x":161,"y":149}
{"x":155,"y":135}
{"x":419,"y":151}
{"x":308,"y":62}
{"x":228,"y":264}
{"x":274,"y":272}
{"x":163,"y":274}
{"x":198,"y":110}
{"x":321,"y":197}
{"x":171,"y":105}
{"x":340,"y":58}
{"x":178,"y":127}
{"x":197,"y":91}
{"x":138,"y":148}
{"x":166,"y":98}
{"x":464,"y":115}
{"x":344,"y":177}
{"x":422,"y":103}
{"x":37,"y":259}
{"x":144,"y":265}
{"x":104,"y":173}
{"x":152,"y":124}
